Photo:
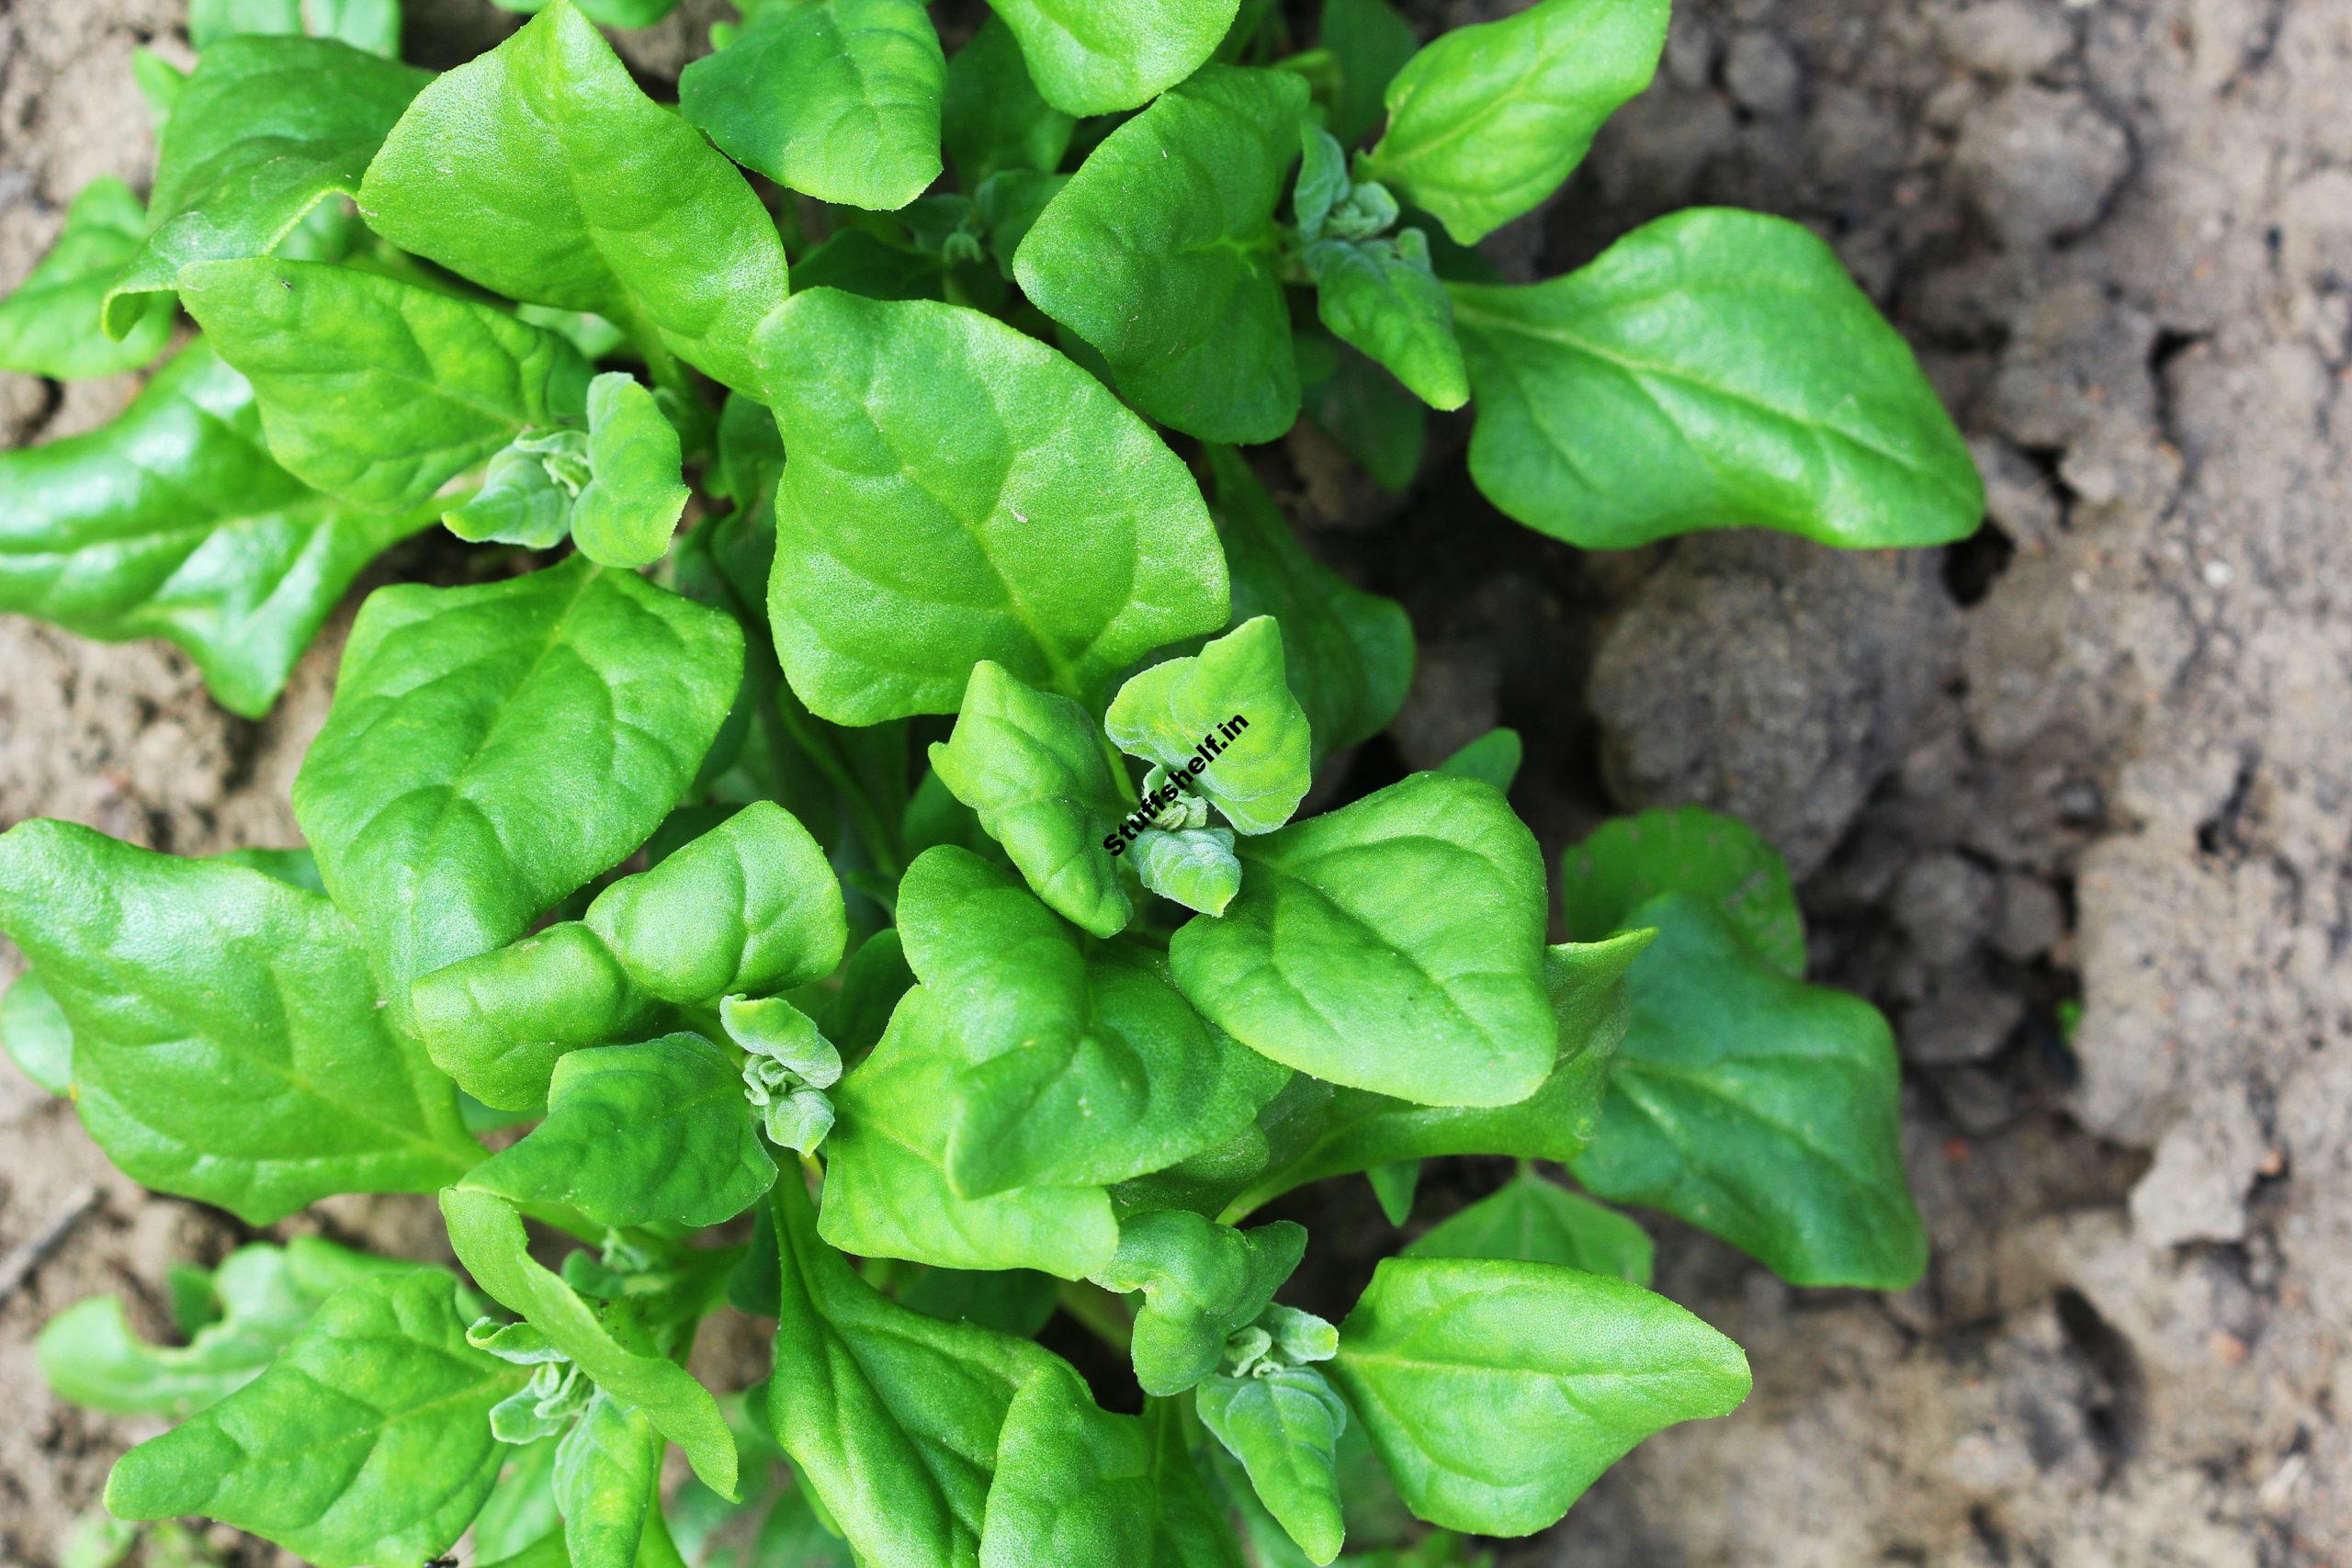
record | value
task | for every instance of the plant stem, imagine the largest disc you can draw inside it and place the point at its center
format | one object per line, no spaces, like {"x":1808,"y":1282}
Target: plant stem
{"x":1101,"y":1311}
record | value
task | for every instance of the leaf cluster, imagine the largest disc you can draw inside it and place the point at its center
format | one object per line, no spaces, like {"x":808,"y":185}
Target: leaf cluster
{"x":886,"y":800}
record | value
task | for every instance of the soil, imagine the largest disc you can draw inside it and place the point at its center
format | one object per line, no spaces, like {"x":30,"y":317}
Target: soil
{"x":2093,"y":757}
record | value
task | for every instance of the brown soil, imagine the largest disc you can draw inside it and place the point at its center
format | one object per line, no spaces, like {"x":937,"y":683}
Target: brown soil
{"x":2094,"y":754}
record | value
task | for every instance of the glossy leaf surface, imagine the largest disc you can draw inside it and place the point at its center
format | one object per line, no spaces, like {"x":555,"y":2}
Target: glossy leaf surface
{"x":1487,"y":120}
{"x":541,"y":172}
{"x":366,"y":1442}
{"x":1759,"y":1108}
{"x":189,"y":983}
{"x":959,"y":492}
{"x":1101,"y":56}
{"x":1713,"y":369}
{"x":1031,"y":764}
{"x":837,"y":99}
{"x":50,"y":326}
{"x":175,"y":522}
{"x":264,"y":131}
{"x":1227,"y":719}
{"x":1161,"y":251}
{"x":377,"y":390}
{"x":1333,"y":959}
{"x":491,"y":749}
{"x":651,"y":1133}
{"x":1495,"y":1393}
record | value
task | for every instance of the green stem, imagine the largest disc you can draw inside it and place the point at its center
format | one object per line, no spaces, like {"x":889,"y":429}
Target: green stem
{"x":1104,"y":1314}
{"x":880,"y":839}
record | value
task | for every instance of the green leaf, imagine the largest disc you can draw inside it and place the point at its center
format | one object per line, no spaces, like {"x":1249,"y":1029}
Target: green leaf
{"x":1193,"y":867}
{"x":1380,"y":296}
{"x":1284,"y":1424}
{"x":1200,"y":1282}
{"x":1763,"y":1110}
{"x":34,"y":1030}
{"x":258,"y":1298}
{"x":542,"y":172}
{"x":1347,"y":654}
{"x":488,"y":1237}
{"x":1011,"y":1301}
{"x":1486,"y":121}
{"x":1532,"y":1220}
{"x":1001,"y":506}
{"x":1719,"y":861}
{"x":1072,"y":1066}
{"x":1370,"y":43}
{"x":1313,"y":1131}
{"x":195,"y":985}
{"x":264,"y":130}
{"x":1102,"y":56}
{"x":1713,"y":369}
{"x":608,"y":13}
{"x":376,"y":390}
{"x":656,"y":1133}
{"x":527,"y":493}
{"x":626,"y":514}
{"x":1394,"y":1186}
{"x":366,"y":1441}
{"x":889,"y":1417}
{"x":1495,"y":758}
{"x":1031,"y":764}
{"x":993,"y":117}
{"x":887,"y":1188}
{"x":1078,"y":1485}
{"x":749,"y":907}
{"x":493,"y":747}
{"x":1335,"y":959}
{"x":836,"y":98}
{"x":1497,"y":1392}
{"x":521,"y":1511}
{"x":175,"y":522}
{"x":371,"y":25}
{"x":1367,"y":412}
{"x":607,"y":1473}
{"x":1227,"y":720}
{"x":1162,"y":253}
{"x":50,"y":326}
{"x":160,"y":84}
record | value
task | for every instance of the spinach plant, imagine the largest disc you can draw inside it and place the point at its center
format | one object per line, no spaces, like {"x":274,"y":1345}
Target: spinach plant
{"x":858,"y":861}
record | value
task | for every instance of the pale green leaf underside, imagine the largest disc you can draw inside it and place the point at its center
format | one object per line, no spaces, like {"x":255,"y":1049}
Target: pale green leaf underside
{"x":488,"y":1237}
